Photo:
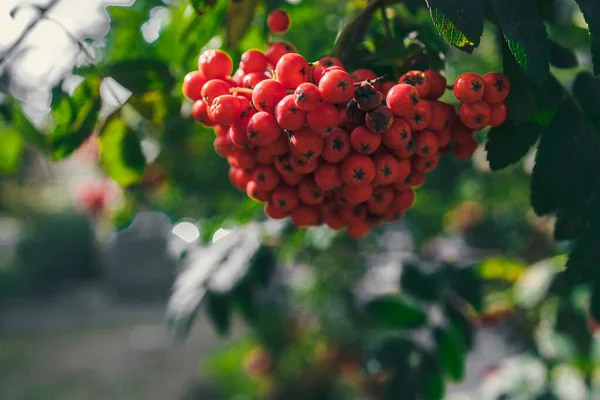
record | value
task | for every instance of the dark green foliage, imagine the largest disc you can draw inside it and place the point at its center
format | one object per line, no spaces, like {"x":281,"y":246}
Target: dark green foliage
{"x":451,"y":351}
{"x":591,"y":13}
{"x":562,"y":57}
{"x":395,"y":312}
{"x":219,"y":308}
{"x":460,"y":22}
{"x":509,"y":143}
{"x":121,"y":154}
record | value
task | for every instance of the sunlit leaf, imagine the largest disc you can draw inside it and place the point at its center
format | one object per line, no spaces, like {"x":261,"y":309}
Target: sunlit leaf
{"x":460,"y":22}
{"x":591,"y":13}
{"x":11,"y":149}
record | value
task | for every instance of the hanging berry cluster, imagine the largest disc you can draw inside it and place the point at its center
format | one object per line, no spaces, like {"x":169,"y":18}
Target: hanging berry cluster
{"x":324,"y":146}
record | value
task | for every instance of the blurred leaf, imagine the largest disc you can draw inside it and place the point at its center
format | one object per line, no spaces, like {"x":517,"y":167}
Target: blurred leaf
{"x":595,"y":299}
{"x":141,"y":75}
{"x":245,"y":301}
{"x":519,"y":100}
{"x":586,"y":90}
{"x":239,"y":18}
{"x":466,"y":283}
{"x":218,"y":307}
{"x":75,"y":118}
{"x":391,"y":352}
{"x":201,"y":5}
{"x":262,"y":266}
{"x":417,"y":283}
{"x":433,"y":381}
{"x":395,"y":312}
{"x":451,"y":352}
{"x":353,"y":33}
{"x":532,"y":287}
{"x":508,"y":143}
{"x":573,"y":322}
{"x":501,"y":268}
{"x":460,"y":22}
{"x":526,"y":36}
{"x":591,"y":13}
{"x":28,"y":131}
{"x":121,"y":154}
{"x":561,"y":57}
{"x":460,"y":320}
{"x":11,"y":150}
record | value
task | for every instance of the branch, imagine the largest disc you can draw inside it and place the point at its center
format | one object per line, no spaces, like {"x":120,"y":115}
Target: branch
{"x":43,"y":11}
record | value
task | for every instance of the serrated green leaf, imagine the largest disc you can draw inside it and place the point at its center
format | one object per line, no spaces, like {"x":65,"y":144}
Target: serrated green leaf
{"x":121,"y":154}
{"x":561,"y":57}
{"x":11,"y":150}
{"x":218,"y":307}
{"x":586,"y":90}
{"x":525,"y":33}
{"x":591,"y":13}
{"x":451,"y":352}
{"x":460,"y":22}
{"x":509,"y":143}
{"x":141,"y":75}
{"x":395,"y":313}
{"x":520,"y":100}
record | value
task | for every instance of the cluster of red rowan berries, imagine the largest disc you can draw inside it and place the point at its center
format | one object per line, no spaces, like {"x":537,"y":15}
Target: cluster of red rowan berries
{"x":324,"y":146}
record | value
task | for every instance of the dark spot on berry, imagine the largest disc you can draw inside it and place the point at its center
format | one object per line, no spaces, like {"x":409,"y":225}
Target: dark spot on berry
{"x":252,"y":134}
{"x":327,"y":63}
{"x":476,"y":86}
{"x":261,"y":177}
{"x":411,"y":145}
{"x":343,"y":85}
{"x":288,"y":168}
{"x":300,"y":162}
{"x":309,"y":154}
{"x":403,"y":135}
{"x":282,"y":203}
{"x":386,"y":171}
{"x":338,"y":144}
{"x":358,"y":174}
{"x":478,"y":119}
{"x":414,"y":79}
{"x":428,"y":164}
{"x":329,"y":128}
{"x":293,"y":109}
{"x":414,"y":97}
{"x":499,"y":84}
{"x":303,"y":71}
{"x":365,"y":148}
{"x":425,"y":149}
{"x":317,"y":193}
{"x":417,"y":117}
{"x":300,"y":96}
{"x":263,"y":105}
{"x":377,"y":197}
{"x":287,"y":47}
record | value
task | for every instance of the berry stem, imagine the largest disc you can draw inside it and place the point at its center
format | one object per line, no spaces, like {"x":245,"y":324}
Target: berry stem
{"x":371,"y":81}
{"x":313,"y":64}
{"x":237,"y":90}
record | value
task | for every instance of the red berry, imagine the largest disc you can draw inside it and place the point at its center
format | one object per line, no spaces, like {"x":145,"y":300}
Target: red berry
{"x":309,"y":192}
{"x":285,"y":197}
{"x":380,"y":200}
{"x":241,"y":159}
{"x":403,"y":200}
{"x":252,"y":79}
{"x":420,"y":117}
{"x":415,"y":180}
{"x":274,"y":212}
{"x":397,"y":135}
{"x":263,"y":129}
{"x":336,"y":87}
{"x":280,"y":146}
{"x":498,"y":114}
{"x":363,"y":74}
{"x":238,"y":135}
{"x":283,"y":165}
{"x":192,"y":85}
{"x":316,"y":74}
{"x":266,"y":177}
{"x":465,"y":149}
{"x":386,"y":169}
{"x":403,"y":169}
{"x":327,"y":62}
{"x":444,"y":136}
{"x":255,"y":193}
{"x":358,"y":229}
{"x":304,"y":166}
{"x":331,"y":218}
{"x":288,"y":115}
{"x":305,"y":215}
{"x":213,"y":89}
{"x":267,"y":94}
{"x":426,"y":163}
{"x":460,"y":133}
{"x":323,"y":118}
{"x":239,"y":177}
{"x":306,"y":144}
{"x":253,"y":61}
{"x":357,"y":170}
{"x":417,"y":79}
{"x":475,"y":115}
{"x":307,"y":96}
{"x":402,"y":100}
{"x":407,"y":150}
{"x":215,"y":64}
{"x":278,"y":50}
{"x":263,"y":155}
{"x":352,"y":195}
{"x":364,"y":141}
{"x":225,"y":109}
{"x":468,"y":88}
{"x":495,"y":87}
{"x":238,"y":76}
{"x":223,"y":146}
{"x":386,"y":86}
{"x":426,"y":142}
{"x":353,"y":214}
{"x":200,"y":113}
{"x":221,"y":130}
{"x":328,"y":177}
{"x":336,"y":146}
{"x":379,"y":120}
{"x":437,"y":84}
{"x":292,"y":70}
{"x":278,"y":21}
{"x":440,"y":115}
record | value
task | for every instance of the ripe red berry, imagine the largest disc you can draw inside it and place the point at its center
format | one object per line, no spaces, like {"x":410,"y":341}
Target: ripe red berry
{"x":495,"y":87}
{"x":274,"y":212}
{"x":404,"y":200}
{"x":263,"y":155}
{"x":402,"y":100}
{"x":307,"y":96}
{"x":407,"y":150}
{"x":283,"y":165}
{"x":440,"y":115}
{"x":336,"y":146}
{"x":241,"y":159}
{"x":364,"y":141}
{"x":426,"y":163}
{"x":358,"y":229}
{"x":468,"y":88}
{"x":309,"y":192}
{"x":213,"y":89}
{"x":380,"y":119}
{"x":278,"y":50}
{"x":323,"y":118}
{"x":403,"y":169}
{"x":420,"y":117}
{"x":263,"y":129}
{"x":253,"y":61}
{"x":386,"y":86}
{"x":465,"y":149}
{"x":316,"y":74}
{"x":292,"y":70}
{"x":357,"y":170}
{"x":417,"y":79}
{"x":328,"y":177}
{"x":238,"y":76}
{"x":239,"y":177}
{"x":267,"y":94}
{"x":426,"y":142}
{"x":304,"y":166}
{"x":285,"y":197}
{"x":363,"y":74}
{"x":498,"y":114}
{"x":352,"y":195}
{"x":415,"y":180}
{"x":266,"y":177}
{"x":331,"y":218}
{"x":223,"y":146}
{"x":336,"y":87}
{"x":444,"y":136}
{"x":278,"y":21}
{"x":225,"y":109}
{"x":437,"y":84}
{"x":252,"y":79}
{"x":460,"y":133}
{"x":306,"y":144}
{"x":255,"y":193}
{"x":397,"y":135}
{"x":386,"y":169}
{"x":215,"y":64}
{"x":280,"y":146}
{"x":238,"y":135}
{"x":305,"y":215}
{"x":192,"y":85}
{"x":221,"y":130}
{"x":352,"y":214}
{"x":475,"y":115}
{"x":380,"y":200}
{"x":288,"y":115}
{"x":327,"y":62}
{"x":200,"y":113}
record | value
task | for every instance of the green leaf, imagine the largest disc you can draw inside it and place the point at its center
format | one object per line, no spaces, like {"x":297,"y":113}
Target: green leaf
{"x":391,"y":352}
{"x":508,"y":143}
{"x":239,"y":18}
{"x":218,"y":307}
{"x":433,"y":381}
{"x":561,"y":57}
{"x":121,"y":154}
{"x":353,"y":33}
{"x":586,"y":90}
{"x":460,"y":22}
{"x":19,"y":121}
{"x":460,"y":320}
{"x":11,"y":150}
{"x":595,"y":299}
{"x":418,"y":283}
{"x":546,"y":99}
{"x":201,"y":5}
{"x":75,"y":118}
{"x":141,"y":75}
{"x":395,"y":313}
{"x":526,"y":36}
{"x":451,"y":352}
{"x":591,"y":13}
{"x":520,"y":100}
